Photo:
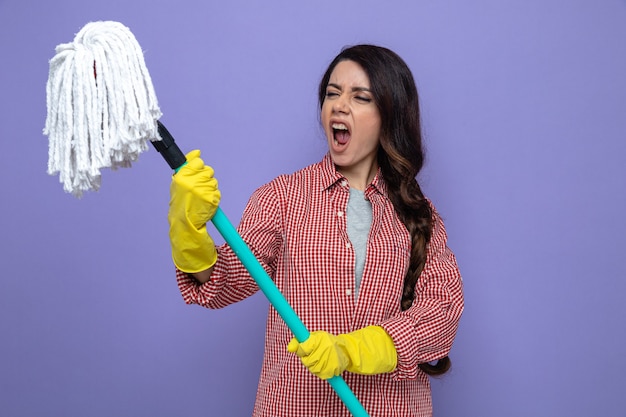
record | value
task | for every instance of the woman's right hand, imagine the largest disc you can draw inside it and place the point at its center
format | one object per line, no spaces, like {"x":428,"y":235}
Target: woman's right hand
{"x":194,"y":198}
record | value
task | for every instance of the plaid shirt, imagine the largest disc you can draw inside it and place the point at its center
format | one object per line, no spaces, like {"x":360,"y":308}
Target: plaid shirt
{"x":296,"y":227}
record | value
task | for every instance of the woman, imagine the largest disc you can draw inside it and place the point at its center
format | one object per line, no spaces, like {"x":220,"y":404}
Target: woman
{"x":351,"y":242}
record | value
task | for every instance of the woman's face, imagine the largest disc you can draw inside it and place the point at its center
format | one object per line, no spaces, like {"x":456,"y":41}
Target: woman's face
{"x":351,"y":121}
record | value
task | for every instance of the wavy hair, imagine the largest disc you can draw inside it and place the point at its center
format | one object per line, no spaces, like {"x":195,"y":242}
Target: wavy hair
{"x":400,"y":155}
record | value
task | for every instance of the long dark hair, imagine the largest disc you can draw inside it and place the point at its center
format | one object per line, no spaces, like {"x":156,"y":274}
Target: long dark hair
{"x":400,"y":155}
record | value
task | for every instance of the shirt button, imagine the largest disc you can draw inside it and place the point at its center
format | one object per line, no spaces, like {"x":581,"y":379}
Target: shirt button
{"x":348,"y":246}
{"x":340,"y":213}
{"x":348,"y":292}
{"x":344,"y":183}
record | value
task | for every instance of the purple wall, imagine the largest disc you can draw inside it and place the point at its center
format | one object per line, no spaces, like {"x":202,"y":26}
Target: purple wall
{"x":525,"y":113}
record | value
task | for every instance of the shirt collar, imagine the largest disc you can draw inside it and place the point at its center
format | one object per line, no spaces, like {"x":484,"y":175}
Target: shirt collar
{"x":330,"y":176}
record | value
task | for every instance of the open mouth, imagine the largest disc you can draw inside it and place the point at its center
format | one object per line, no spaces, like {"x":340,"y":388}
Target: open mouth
{"x":341,"y":134}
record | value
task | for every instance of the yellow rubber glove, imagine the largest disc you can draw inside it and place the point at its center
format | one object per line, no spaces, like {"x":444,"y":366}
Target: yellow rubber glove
{"x":194,"y":198}
{"x":367,"y":351}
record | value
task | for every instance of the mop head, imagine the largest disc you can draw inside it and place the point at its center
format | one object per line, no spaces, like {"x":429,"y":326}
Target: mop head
{"x":102,"y":108}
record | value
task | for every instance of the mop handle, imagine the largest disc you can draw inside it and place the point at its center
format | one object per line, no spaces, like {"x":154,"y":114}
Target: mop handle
{"x":176,"y":159}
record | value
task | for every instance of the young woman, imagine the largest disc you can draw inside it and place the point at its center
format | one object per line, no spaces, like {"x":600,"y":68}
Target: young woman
{"x":351,"y":242}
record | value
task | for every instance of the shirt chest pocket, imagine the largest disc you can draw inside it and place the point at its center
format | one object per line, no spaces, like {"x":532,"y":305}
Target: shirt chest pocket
{"x":385,"y":267}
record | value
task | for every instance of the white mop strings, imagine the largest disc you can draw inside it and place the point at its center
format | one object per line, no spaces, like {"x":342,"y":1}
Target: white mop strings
{"x":101,"y":105}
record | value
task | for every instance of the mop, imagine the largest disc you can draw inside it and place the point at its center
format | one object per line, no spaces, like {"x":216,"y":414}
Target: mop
{"x":103,"y":111}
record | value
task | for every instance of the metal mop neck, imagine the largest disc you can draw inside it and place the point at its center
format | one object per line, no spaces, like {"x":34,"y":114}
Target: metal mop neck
{"x":102,"y":108}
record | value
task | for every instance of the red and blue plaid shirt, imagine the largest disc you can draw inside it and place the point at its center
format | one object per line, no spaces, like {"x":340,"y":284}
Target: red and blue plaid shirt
{"x":296,"y":226}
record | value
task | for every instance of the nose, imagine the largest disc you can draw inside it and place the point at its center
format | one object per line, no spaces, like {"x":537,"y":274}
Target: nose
{"x":340,"y":105}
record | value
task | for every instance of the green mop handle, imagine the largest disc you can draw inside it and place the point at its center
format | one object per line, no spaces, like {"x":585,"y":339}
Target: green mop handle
{"x":176,"y":159}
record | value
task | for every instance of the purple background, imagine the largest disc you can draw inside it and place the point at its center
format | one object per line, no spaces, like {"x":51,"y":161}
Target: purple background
{"x":524,"y":109}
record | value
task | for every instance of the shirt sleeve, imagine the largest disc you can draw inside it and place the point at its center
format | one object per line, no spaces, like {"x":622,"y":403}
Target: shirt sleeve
{"x":230,"y":281}
{"x":425,"y":331}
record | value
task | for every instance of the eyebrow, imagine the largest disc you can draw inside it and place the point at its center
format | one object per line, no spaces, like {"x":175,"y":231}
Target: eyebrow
{"x":353,"y":88}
